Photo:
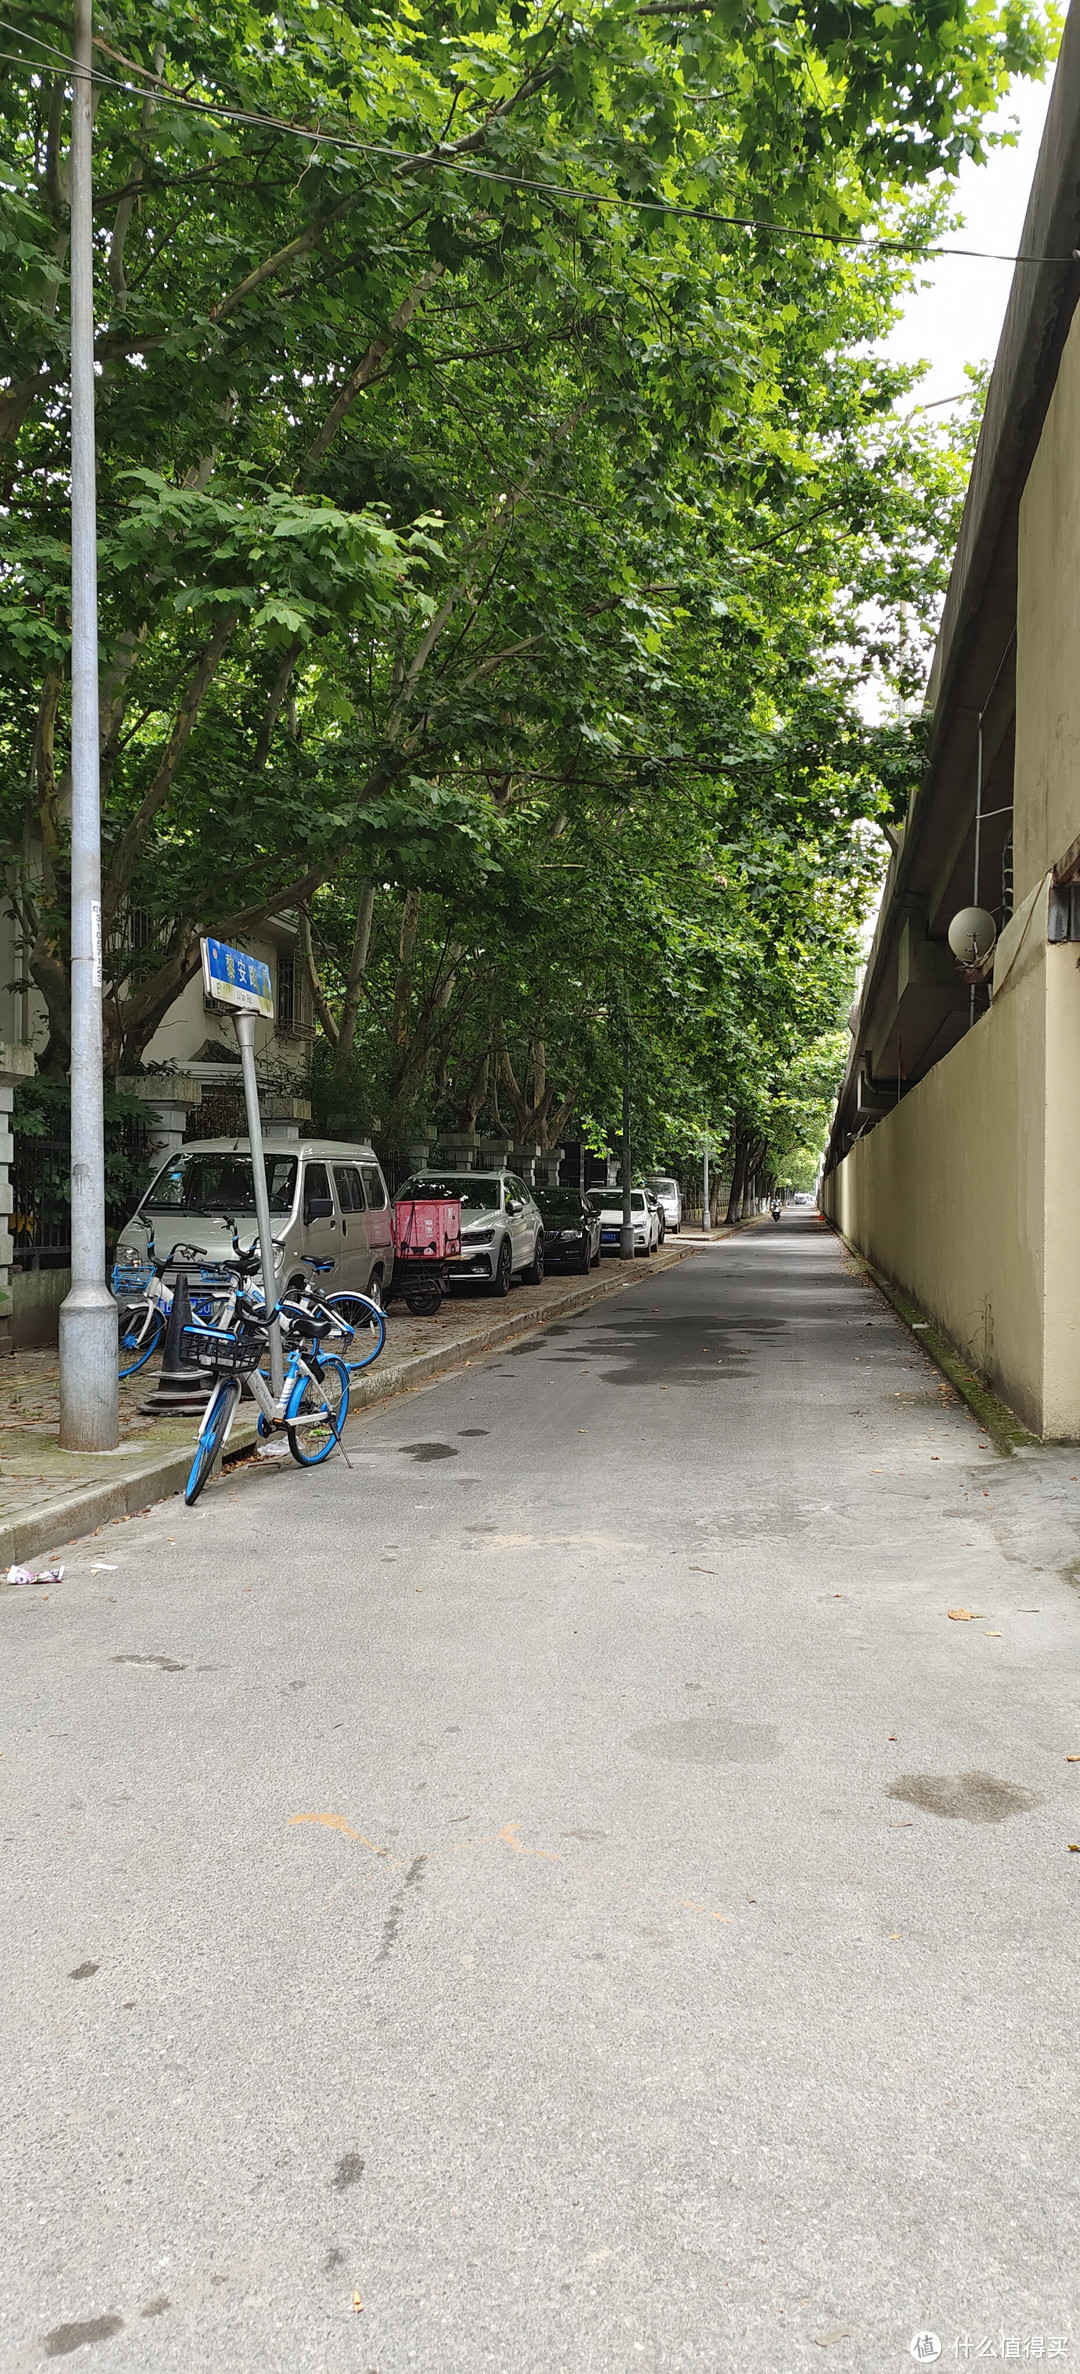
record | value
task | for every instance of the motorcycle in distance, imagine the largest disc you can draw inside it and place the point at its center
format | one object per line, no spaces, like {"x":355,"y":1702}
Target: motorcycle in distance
{"x":775,"y":1207}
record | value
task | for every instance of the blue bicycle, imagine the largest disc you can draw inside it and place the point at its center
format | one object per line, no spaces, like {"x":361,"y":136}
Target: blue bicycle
{"x":312,"y":1405}
{"x":365,"y":1319}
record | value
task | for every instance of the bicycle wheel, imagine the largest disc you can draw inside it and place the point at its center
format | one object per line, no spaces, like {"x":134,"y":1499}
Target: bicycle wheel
{"x":142,"y":1325}
{"x":317,"y":1413}
{"x":368,"y":1322}
{"x":223,"y":1401}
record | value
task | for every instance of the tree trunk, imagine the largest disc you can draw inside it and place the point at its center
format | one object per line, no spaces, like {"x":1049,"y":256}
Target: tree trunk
{"x":741,"y":1146}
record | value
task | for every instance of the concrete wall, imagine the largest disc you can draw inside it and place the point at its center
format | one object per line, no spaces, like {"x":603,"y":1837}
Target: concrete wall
{"x":1047,"y":788}
{"x":36,"y":1296}
{"x":966,"y":1195}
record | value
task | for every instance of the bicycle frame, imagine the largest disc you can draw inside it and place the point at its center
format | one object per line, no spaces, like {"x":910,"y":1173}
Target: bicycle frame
{"x":274,"y":1409}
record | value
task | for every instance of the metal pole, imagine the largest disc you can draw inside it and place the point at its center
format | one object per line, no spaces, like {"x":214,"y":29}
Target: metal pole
{"x":626,"y":1233}
{"x":706,"y":1215}
{"x":245,"y":1032}
{"x":89,"y":1417}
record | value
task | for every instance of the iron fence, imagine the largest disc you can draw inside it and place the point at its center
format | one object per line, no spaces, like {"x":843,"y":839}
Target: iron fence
{"x":41,"y":1190}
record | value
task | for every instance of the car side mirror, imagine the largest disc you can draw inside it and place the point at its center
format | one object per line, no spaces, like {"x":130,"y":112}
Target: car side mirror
{"x":317,"y":1207}
{"x":513,"y":1207}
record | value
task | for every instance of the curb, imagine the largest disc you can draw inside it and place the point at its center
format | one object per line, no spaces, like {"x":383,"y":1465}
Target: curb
{"x":81,"y":1512}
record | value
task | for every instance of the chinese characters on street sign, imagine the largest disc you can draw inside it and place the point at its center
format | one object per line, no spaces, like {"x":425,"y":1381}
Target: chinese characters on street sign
{"x":236,"y":979}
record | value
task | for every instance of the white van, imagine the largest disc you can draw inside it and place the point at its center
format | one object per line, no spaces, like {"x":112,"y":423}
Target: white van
{"x":326,"y":1199}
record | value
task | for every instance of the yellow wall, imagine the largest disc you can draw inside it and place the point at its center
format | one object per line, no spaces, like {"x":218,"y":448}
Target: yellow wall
{"x":967,"y":1195}
{"x":1047,"y":792}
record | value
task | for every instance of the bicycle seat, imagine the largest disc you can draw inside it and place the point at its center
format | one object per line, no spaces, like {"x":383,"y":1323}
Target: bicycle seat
{"x":312,"y":1261}
{"x":301,"y":1321}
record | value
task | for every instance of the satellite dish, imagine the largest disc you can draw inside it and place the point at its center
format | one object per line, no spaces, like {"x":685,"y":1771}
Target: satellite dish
{"x":972,"y":934}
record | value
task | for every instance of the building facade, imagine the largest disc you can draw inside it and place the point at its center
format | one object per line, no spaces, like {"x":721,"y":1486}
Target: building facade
{"x":954,"y":1163}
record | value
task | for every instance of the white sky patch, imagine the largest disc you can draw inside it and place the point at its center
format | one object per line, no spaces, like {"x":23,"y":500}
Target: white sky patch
{"x":955,"y":316}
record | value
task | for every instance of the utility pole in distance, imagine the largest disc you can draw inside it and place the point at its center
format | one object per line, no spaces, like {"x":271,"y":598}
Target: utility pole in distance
{"x":626,"y":1233}
{"x":89,"y":1416}
{"x":706,"y":1214}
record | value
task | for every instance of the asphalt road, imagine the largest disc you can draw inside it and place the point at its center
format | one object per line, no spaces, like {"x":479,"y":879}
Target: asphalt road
{"x":564,"y":1882}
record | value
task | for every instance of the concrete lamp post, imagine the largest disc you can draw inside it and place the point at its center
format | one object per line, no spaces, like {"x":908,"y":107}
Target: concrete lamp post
{"x":89,"y":1404}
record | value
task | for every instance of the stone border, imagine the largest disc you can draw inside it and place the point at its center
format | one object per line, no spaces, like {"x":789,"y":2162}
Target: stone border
{"x":71,"y":1515}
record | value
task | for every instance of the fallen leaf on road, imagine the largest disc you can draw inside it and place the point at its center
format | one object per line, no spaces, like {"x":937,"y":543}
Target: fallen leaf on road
{"x":991,"y":1636}
{"x":1072,"y":1759}
{"x":357,"y":2303}
{"x":964,"y":1615}
{"x":845,"y":2333}
{"x":702,"y":1570}
{"x":1074,"y":1850}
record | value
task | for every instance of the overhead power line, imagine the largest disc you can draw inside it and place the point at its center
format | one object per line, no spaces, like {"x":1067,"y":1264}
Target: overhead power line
{"x":437,"y":160}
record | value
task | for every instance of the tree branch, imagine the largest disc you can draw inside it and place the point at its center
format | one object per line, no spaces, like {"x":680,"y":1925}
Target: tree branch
{"x":126,"y":854}
{"x":367,"y":369}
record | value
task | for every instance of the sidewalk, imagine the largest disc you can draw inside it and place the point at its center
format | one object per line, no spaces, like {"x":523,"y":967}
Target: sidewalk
{"x":49,"y":1496}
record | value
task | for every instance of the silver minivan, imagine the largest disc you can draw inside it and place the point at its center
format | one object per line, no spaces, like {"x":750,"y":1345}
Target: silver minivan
{"x":326,"y":1199}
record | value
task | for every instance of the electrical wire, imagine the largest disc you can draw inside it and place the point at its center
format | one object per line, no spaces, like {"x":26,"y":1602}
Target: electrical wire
{"x":431,"y":161}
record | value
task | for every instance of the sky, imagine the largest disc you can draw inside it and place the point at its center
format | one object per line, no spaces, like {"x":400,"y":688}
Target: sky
{"x":956,"y":318}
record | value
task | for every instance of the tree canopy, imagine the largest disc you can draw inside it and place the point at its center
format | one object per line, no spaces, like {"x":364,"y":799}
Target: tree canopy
{"x":501,"y":513}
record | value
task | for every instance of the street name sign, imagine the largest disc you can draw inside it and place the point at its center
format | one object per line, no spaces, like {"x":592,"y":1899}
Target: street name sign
{"x":236,"y":979}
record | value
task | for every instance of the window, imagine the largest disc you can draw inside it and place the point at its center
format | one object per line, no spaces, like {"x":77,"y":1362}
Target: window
{"x":477,"y":1194}
{"x":350,"y":1193}
{"x":316,"y":1182}
{"x":288,"y":1003}
{"x":374,"y":1187}
{"x":220,"y":1183}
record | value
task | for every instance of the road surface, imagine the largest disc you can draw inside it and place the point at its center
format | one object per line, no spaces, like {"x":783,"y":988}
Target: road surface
{"x":561,"y":1895}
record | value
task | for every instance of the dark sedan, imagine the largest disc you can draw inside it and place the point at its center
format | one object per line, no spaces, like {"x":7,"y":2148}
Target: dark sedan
{"x":571,"y":1227}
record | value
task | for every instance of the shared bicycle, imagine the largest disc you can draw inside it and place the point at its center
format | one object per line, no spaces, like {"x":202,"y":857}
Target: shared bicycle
{"x":313,"y":1403}
{"x":146,"y":1299}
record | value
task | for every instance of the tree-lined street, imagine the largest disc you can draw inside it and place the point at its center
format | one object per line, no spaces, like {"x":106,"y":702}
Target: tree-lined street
{"x":564,"y":1881}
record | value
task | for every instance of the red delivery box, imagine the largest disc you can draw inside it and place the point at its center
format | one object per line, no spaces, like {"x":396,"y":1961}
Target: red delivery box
{"x":426,"y":1231}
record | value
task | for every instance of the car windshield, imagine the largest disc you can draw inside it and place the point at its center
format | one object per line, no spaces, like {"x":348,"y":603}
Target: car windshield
{"x":475,"y":1195}
{"x":663,"y":1186}
{"x":609,"y":1199}
{"x":220,"y":1183}
{"x":560,"y":1203}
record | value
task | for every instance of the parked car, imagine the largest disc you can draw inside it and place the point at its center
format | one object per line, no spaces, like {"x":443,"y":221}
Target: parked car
{"x":502,"y":1232}
{"x":571,"y":1227}
{"x":326,"y":1199}
{"x":668,"y":1194}
{"x":656,"y":1206}
{"x":607,"y":1201}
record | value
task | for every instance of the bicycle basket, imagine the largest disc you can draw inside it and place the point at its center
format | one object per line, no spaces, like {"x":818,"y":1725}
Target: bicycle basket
{"x":225,"y":1351}
{"x":131,"y":1277}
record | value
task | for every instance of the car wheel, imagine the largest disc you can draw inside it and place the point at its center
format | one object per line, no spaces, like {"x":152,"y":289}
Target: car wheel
{"x":534,"y":1274}
{"x":374,"y":1288}
{"x":500,"y":1283}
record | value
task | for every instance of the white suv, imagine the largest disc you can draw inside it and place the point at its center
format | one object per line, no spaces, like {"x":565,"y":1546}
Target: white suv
{"x":502,"y":1231}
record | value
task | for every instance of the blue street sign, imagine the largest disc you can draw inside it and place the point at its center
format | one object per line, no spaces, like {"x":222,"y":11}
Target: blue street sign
{"x":236,"y":979}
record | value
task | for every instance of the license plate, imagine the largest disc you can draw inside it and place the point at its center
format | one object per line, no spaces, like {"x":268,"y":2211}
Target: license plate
{"x":609,"y":1236}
